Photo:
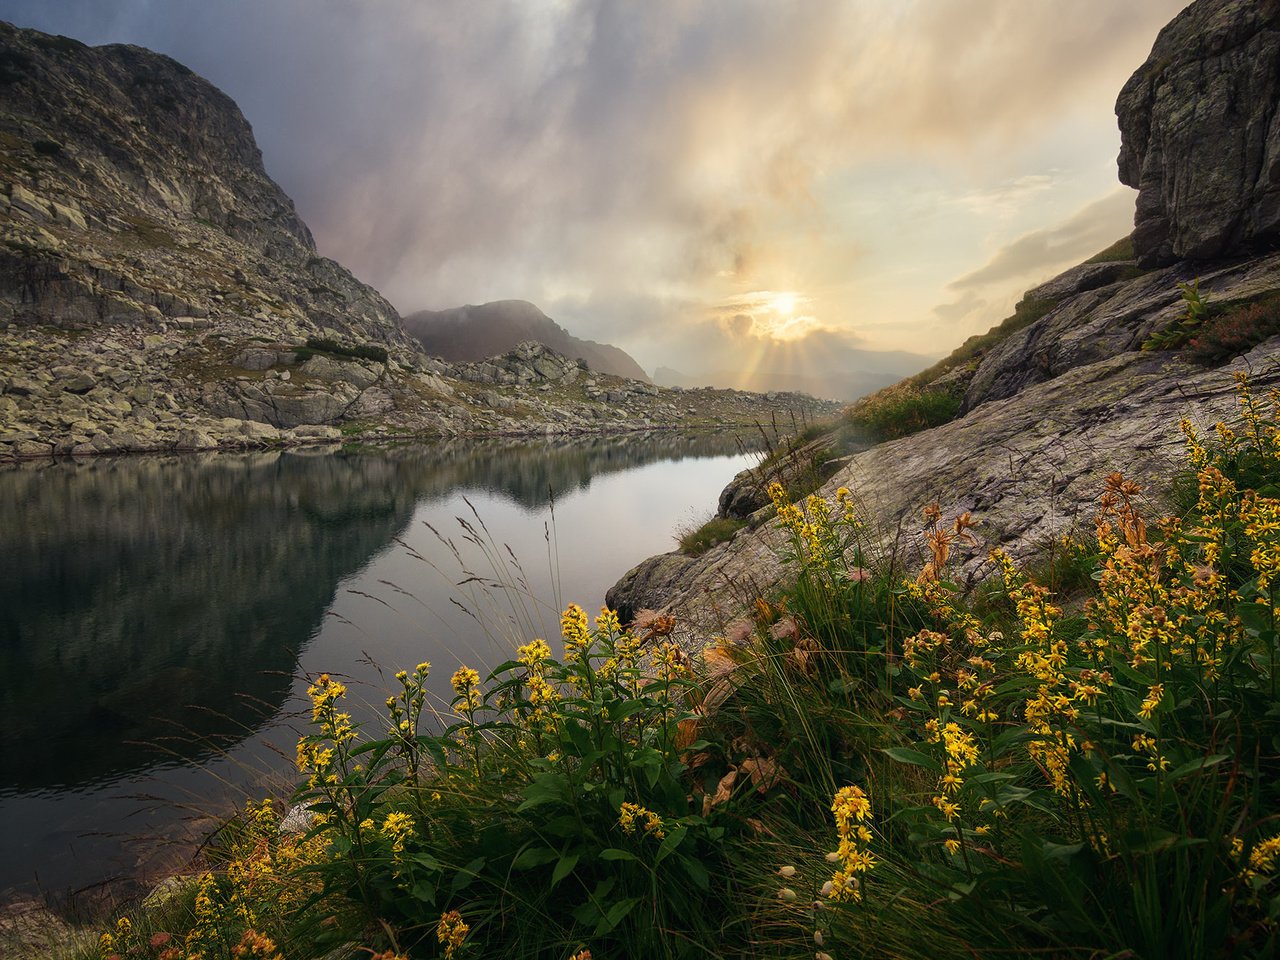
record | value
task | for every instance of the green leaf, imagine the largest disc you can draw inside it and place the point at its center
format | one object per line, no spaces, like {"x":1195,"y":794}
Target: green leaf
{"x":615,"y":915}
{"x":1060,"y":851}
{"x":533,"y":856}
{"x":546,"y":787}
{"x":1192,"y":766}
{"x":913,"y":757}
{"x":670,"y":842}
{"x":621,"y":709}
{"x":613,"y":853}
{"x":564,"y":867}
{"x":697,"y":872}
{"x":1255,"y":616}
{"x":468,"y":873}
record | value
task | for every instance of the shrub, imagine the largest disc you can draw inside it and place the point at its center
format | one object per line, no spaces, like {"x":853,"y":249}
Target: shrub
{"x":1234,"y":331}
{"x":366,"y":351}
{"x":1119,"y":251}
{"x":1113,"y":778}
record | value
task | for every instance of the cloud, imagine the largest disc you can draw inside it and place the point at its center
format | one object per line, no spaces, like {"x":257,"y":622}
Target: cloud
{"x":1041,"y":252}
{"x":628,"y":165}
{"x":958,"y":310}
{"x":1008,"y":197}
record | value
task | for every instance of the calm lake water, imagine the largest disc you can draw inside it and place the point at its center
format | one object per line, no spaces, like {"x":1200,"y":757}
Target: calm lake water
{"x":159,"y":616}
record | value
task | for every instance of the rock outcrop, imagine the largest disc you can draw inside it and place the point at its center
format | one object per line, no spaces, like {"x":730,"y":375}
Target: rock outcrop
{"x":158,"y":291}
{"x":1201,"y":134}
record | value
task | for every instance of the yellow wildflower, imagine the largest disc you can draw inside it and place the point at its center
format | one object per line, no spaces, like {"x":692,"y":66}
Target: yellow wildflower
{"x":451,"y":932}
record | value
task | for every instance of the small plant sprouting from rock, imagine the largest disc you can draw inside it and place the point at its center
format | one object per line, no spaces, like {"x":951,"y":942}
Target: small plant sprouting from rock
{"x":1182,"y":330}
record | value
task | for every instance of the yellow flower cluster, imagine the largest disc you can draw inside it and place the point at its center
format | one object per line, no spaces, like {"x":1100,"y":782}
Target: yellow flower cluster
{"x":451,"y":932}
{"x":852,"y":810}
{"x":466,"y":684}
{"x":397,"y":827}
{"x":1262,"y":858}
{"x":256,"y":946}
{"x":1052,"y":711}
{"x":117,"y":941}
{"x":813,"y":530}
{"x":573,"y":628}
{"x":632,"y":815}
{"x":325,"y":694}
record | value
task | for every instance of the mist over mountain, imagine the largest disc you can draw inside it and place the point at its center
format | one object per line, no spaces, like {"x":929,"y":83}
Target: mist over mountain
{"x":823,"y":364}
{"x":476,"y":332}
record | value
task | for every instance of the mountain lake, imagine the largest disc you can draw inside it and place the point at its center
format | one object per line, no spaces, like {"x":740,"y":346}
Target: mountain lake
{"x":160,"y":616}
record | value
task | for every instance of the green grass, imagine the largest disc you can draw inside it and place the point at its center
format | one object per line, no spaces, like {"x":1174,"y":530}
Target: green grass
{"x":901,"y":413}
{"x":1121,"y":250}
{"x":717,"y":530}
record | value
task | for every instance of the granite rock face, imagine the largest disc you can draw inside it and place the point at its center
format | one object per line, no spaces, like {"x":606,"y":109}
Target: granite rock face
{"x":1100,"y":323}
{"x":1201,"y":133}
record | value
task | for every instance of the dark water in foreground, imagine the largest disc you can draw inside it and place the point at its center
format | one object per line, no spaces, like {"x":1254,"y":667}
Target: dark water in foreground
{"x":158,"y":615}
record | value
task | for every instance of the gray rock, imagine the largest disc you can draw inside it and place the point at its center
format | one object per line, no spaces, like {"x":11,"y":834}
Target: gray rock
{"x":650,"y":584}
{"x":29,"y":203}
{"x":1085,"y":277}
{"x":255,"y":358}
{"x":311,"y":431}
{"x":328,"y":369}
{"x":743,"y":496}
{"x":1200,"y":133}
{"x":1104,"y":322}
{"x":1029,"y":467}
{"x":32,"y":448}
{"x":77,"y":383}
{"x":24,"y":386}
{"x":194,"y":439}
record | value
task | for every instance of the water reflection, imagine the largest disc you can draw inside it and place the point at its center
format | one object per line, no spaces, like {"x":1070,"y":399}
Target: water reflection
{"x":154,"y":612}
{"x":144,"y":598}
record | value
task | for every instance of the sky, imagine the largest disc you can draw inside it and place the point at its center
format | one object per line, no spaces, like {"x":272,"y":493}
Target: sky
{"x":693,"y":181}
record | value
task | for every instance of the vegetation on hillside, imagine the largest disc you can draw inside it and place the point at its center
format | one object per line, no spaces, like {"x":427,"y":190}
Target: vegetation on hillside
{"x":931,"y":397}
{"x":872,"y":765}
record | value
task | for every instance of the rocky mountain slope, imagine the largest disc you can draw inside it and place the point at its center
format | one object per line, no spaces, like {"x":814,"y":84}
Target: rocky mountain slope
{"x":477,"y":332}
{"x":1050,"y":407}
{"x":158,"y":290}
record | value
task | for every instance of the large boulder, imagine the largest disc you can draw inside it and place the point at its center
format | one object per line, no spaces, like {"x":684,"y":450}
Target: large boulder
{"x":1200,"y":133}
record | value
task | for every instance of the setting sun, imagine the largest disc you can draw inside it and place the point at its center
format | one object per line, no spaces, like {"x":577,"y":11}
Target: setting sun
{"x":783,"y":304}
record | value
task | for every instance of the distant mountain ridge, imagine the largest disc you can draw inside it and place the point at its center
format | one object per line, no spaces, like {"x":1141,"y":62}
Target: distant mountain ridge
{"x":476,"y":332}
{"x":823,"y":364}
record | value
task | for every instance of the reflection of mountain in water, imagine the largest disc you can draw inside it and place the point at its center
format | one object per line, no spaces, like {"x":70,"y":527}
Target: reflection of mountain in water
{"x":145,"y":598}
{"x":151,"y":597}
{"x":527,"y":471}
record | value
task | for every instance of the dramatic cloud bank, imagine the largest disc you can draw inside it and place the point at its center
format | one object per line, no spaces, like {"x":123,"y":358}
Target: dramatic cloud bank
{"x":680,"y":177}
